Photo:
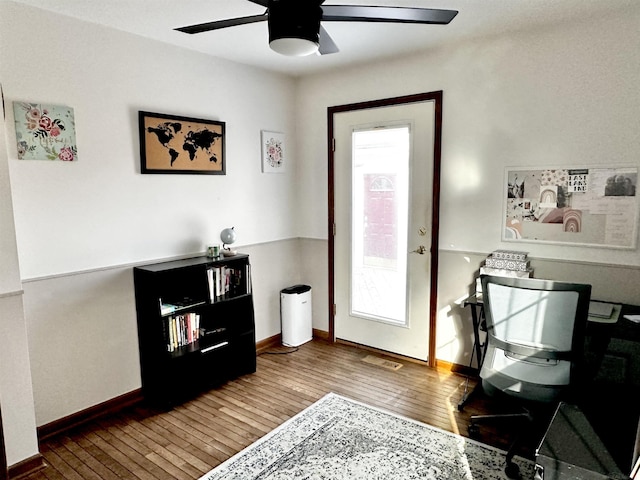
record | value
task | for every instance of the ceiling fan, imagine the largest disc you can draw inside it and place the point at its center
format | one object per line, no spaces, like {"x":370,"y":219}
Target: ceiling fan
{"x":294,"y":25}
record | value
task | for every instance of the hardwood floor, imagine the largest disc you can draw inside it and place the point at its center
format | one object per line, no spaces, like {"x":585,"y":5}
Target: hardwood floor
{"x":191,"y":439}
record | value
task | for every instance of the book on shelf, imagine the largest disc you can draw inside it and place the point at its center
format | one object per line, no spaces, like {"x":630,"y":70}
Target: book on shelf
{"x":248,"y":278}
{"x":181,"y":330}
{"x":211,"y":284}
{"x":224,"y":282}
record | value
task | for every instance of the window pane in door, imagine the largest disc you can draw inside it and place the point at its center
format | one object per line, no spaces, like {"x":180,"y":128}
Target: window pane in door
{"x":380,"y":179}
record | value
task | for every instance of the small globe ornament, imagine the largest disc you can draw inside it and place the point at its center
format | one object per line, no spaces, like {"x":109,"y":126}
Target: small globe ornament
{"x":228,"y":236}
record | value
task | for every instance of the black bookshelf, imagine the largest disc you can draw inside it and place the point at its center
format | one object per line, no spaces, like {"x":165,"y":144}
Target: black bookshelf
{"x":196,"y":326}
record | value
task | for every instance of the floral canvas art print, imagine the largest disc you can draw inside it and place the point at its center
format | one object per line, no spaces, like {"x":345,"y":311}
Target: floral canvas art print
{"x":273,"y":153}
{"x":45,"y":132}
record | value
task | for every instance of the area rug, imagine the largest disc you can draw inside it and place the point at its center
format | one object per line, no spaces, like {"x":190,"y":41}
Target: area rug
{"x":337,"y":438}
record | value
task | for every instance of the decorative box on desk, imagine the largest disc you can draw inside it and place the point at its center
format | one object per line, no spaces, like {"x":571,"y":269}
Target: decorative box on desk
{"x":196,"y":325}
{"x":504,"y":263}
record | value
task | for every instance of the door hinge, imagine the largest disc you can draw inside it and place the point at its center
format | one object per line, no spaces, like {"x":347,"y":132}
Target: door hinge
{"x":333,"y":144}
{"x":334,"y":229}
{"x":335,"y":308}
{"x":4,"y":112}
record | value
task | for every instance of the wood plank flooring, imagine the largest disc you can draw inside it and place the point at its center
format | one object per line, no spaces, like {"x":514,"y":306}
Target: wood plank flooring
{"x":191,"y":439}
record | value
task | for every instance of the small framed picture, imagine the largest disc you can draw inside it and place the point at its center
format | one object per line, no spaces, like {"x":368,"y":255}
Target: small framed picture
{"x":45,"y":132}
{"x":273,"y":152}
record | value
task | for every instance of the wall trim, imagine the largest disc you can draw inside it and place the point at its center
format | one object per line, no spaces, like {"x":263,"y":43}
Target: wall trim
{"x":15,"y":293}
{"x":276,"y":341}
{"x":64,"y":424}
{"x":268,"y":343}
{"x":27,"y":467}
{"x":196,"y":254}
{"x":82,"y":417}
{"x":464,"y":370}
{"x":321,"y":334}
{"x":549,"y":259}
{"x":87,"y":415}
{"x":144,"y":262}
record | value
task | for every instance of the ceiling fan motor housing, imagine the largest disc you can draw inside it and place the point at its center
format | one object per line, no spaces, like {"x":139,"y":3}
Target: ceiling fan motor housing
{"x":294,"y":25}
{"x":292,"y":19}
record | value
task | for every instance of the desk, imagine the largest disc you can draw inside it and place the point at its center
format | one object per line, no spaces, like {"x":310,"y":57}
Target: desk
{"x":615,"y":349}
{"x":609,"y":390}
{"x":616,"y":340}
{"x":609,"y":347}
{"x":477,"y":319}
{"x":611,"y":403}
{"x":479,"y":349}
{"x":571,"y":449}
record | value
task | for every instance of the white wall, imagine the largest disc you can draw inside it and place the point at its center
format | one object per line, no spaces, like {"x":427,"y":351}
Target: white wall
{"x":562,"y":95}
{"x":16,"y":391}
{"x":16,"y":395}
{"x":81,"y":226}
{"x":100,"y":211}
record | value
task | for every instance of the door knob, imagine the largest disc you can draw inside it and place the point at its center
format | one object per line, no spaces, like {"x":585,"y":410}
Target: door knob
{"x":420,"y":250}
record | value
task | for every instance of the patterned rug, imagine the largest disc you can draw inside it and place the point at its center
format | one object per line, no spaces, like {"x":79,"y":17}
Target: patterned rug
{"x":339,"y":439}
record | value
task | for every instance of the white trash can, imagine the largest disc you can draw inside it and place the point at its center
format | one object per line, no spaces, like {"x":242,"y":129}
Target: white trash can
{"x":295,"y":315}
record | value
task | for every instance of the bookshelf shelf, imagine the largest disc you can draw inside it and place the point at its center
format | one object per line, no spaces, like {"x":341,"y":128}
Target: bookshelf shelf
{"x":196,"y":326}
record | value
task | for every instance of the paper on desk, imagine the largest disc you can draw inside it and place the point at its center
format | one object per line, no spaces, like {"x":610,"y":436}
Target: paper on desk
{"x":633,"y":318}
{"x":611,"y":319}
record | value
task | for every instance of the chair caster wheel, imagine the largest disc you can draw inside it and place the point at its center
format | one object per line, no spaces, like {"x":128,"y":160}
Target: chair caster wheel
{"x":513,"y":471}
{"x":474,"y":430}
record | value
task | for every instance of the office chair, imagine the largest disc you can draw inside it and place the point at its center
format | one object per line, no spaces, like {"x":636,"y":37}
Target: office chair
{"x":535,"y":343}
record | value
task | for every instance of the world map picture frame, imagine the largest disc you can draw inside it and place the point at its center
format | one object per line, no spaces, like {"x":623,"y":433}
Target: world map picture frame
{"x":173,"y":144}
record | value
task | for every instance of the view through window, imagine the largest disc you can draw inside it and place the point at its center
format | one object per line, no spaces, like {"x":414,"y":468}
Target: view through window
{"x":380,"y":186}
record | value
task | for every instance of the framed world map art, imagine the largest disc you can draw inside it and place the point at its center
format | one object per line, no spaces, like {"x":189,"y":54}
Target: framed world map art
{"x":174,"y":144}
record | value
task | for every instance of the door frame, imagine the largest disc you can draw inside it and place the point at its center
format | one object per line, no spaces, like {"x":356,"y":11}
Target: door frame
{"x":435,"y":206}
{"x":4,"y":472}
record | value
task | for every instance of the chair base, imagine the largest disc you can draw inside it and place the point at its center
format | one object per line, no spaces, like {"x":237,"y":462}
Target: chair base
{"x":511,"y":469}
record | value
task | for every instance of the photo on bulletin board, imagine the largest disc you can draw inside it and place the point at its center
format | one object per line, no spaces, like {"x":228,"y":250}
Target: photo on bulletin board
{"x":586,"y":206}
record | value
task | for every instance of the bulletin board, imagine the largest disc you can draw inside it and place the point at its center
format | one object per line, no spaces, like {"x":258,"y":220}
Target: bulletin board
{"x":590,"y":206}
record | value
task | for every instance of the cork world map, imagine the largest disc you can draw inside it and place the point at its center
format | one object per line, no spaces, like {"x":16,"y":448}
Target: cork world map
{"x":171,"y":144}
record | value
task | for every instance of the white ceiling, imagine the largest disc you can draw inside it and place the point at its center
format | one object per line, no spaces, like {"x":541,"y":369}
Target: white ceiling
{"x":358,"y":42}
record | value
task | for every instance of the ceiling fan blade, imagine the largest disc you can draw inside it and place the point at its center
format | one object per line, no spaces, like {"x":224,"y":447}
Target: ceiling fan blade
{"x":232,"y":22}
{"x":354,"y":13}
{"x":327,"y":45}
{"x":264,"y":3}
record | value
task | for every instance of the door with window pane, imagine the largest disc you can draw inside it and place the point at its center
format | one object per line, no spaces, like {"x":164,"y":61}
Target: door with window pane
{"x":383,"y":177}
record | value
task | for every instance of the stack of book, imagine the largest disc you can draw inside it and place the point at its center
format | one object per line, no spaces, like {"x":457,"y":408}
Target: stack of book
{"x":181,"y":330}
{"x":227,"y":282}
{"x":505,"y":263}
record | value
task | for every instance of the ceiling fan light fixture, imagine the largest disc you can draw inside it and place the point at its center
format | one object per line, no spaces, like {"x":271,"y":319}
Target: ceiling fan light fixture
{"x":293,"y":47}
{"x":294,"y":27}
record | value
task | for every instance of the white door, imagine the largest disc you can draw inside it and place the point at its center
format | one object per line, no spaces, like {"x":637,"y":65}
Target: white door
{"x":383,"y":186}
